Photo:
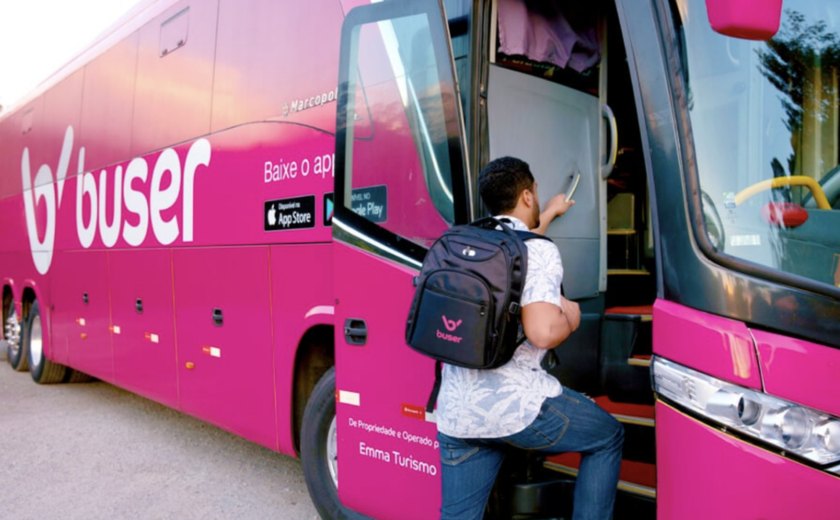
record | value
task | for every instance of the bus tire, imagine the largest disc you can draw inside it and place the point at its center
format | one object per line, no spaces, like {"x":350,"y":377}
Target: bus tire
{"x":317,"y":432}
{"x":12,"y":333}
{"x":74,"y":376}
{"x":43,"y":370}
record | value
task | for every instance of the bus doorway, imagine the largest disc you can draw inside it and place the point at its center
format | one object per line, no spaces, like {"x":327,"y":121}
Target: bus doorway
{"x":560,"y":95}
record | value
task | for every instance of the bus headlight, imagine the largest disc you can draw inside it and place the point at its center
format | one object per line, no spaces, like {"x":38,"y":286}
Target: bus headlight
{"x":791,"y":426}
{"x":796,"y":429}
{"x":828,"y":435}
{"x":734,"y":406}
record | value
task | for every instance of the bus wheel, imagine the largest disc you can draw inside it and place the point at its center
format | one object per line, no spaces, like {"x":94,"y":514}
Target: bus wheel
{"x":74,"y":376}
{"x":42,"y":369}
{"x":318,"y":449}
{"x":11,"y":332}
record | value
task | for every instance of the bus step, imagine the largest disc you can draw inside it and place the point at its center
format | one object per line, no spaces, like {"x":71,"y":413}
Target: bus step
{"x":545,"y":499}
{"x":626,"y":345}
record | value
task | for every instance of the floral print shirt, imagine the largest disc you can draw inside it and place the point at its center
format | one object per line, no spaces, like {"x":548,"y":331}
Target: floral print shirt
{"x":502,"y":401}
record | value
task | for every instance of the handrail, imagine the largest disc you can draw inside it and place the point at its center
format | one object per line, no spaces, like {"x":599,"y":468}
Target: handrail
{"x":779,"y":182}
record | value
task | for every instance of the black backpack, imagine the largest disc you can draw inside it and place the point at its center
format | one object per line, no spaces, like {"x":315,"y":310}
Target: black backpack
{"x":466,"y":309}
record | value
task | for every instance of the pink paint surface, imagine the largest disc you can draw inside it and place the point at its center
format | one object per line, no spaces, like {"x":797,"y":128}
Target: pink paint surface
{"x":82,"y":329}
{"x":299,"y":304}
{"x":144,"y":342}
{"x":800,"y":371}
{"x":717,"y":346}
{"x":380,"y":294}
{"x":724,"y":478}
{"x":225,"y":371}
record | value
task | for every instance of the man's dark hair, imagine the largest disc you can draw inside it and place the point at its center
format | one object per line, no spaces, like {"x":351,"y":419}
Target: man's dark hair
{"x":502,"y":181}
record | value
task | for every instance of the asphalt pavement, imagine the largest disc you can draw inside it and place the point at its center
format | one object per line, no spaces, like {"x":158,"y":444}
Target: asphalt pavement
{"x":93,"y":451}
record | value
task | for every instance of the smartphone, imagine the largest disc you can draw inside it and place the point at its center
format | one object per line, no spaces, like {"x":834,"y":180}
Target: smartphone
{"x":570,"y":191}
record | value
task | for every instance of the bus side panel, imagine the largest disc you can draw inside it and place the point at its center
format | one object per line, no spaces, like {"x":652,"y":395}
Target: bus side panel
{"x":800,"y":371}
{"x":222,"y":318}
{"x":25,"y":133}
{"x":82,"y":311}
{"x":728,"y":479}
{"x":253,"y":170}
{"x":15,"y":258}
{"x":301,"y":298}
{"x":388,"y":448}
{"x":108,"y":105}
{"x":62,"y":108}
{"x":143,"y":327}
{"x":717,"y":346}
{"x":173,"y":92}
{"x":278,"y":61}
{"x":9,"y":163}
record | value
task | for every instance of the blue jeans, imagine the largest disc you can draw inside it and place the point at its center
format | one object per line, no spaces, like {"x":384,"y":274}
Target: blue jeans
{"x":568,"y":422}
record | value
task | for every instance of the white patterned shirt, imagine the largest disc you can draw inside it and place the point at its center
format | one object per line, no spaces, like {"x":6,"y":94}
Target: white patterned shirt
{"x":502,"y":401}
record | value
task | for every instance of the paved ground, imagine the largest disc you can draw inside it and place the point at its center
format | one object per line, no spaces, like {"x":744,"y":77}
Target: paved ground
{"x":92,"y":451}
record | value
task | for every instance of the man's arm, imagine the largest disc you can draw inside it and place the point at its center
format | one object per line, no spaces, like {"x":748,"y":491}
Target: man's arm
{"x":557,"y":206}
{"x":547,"y":325}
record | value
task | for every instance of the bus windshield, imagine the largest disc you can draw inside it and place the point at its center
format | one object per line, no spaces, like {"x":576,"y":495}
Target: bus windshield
{"x":765,"y":126}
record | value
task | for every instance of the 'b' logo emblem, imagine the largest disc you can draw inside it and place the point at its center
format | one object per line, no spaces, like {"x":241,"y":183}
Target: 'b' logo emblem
{"x":451,"y":325}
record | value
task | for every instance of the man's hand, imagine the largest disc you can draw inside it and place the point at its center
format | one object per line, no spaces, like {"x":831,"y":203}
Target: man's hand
{"x":556,"y":206}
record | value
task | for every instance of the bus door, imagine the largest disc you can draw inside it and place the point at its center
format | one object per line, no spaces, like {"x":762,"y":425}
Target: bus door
{"x":400,"y":182}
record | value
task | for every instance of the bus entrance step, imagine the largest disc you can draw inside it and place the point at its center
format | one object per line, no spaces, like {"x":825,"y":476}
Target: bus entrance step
{"x":551,"y":498}
{"x":626,"y":347}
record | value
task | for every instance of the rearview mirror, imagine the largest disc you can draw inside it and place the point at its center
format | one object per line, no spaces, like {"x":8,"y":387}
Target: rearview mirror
{"x":747,"y":19}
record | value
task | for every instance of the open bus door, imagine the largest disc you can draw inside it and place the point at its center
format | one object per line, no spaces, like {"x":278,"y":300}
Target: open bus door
{"x":400,"y":182}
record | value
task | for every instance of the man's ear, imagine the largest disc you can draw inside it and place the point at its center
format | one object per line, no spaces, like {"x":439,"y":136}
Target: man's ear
{"x":527,"y":197}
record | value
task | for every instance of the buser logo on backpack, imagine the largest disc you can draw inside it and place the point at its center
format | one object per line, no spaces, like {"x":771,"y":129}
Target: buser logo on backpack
{"x":450,"y":325}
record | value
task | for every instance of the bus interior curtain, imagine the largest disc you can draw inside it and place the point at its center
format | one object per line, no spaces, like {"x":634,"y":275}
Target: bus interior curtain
{"x":548,"y":31}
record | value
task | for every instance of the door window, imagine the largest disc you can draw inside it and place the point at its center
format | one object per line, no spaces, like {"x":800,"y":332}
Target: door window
{"x":399,"y":139}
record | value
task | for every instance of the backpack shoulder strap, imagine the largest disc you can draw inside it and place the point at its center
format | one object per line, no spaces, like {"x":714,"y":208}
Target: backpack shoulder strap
{"x":430,"y":404}
{"x":530,"y":235}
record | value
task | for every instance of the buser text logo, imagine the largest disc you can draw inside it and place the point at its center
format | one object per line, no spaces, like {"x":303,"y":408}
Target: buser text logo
{"x":140,"y":194}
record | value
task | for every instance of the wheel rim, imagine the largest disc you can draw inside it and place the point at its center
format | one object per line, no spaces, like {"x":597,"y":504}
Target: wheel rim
{"x":12,"y":334}
{"x":36,"y":343}
{"x":332,"y":452}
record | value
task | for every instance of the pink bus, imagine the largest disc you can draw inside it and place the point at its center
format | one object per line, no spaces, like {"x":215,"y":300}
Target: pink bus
{"x":221,"y":205}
